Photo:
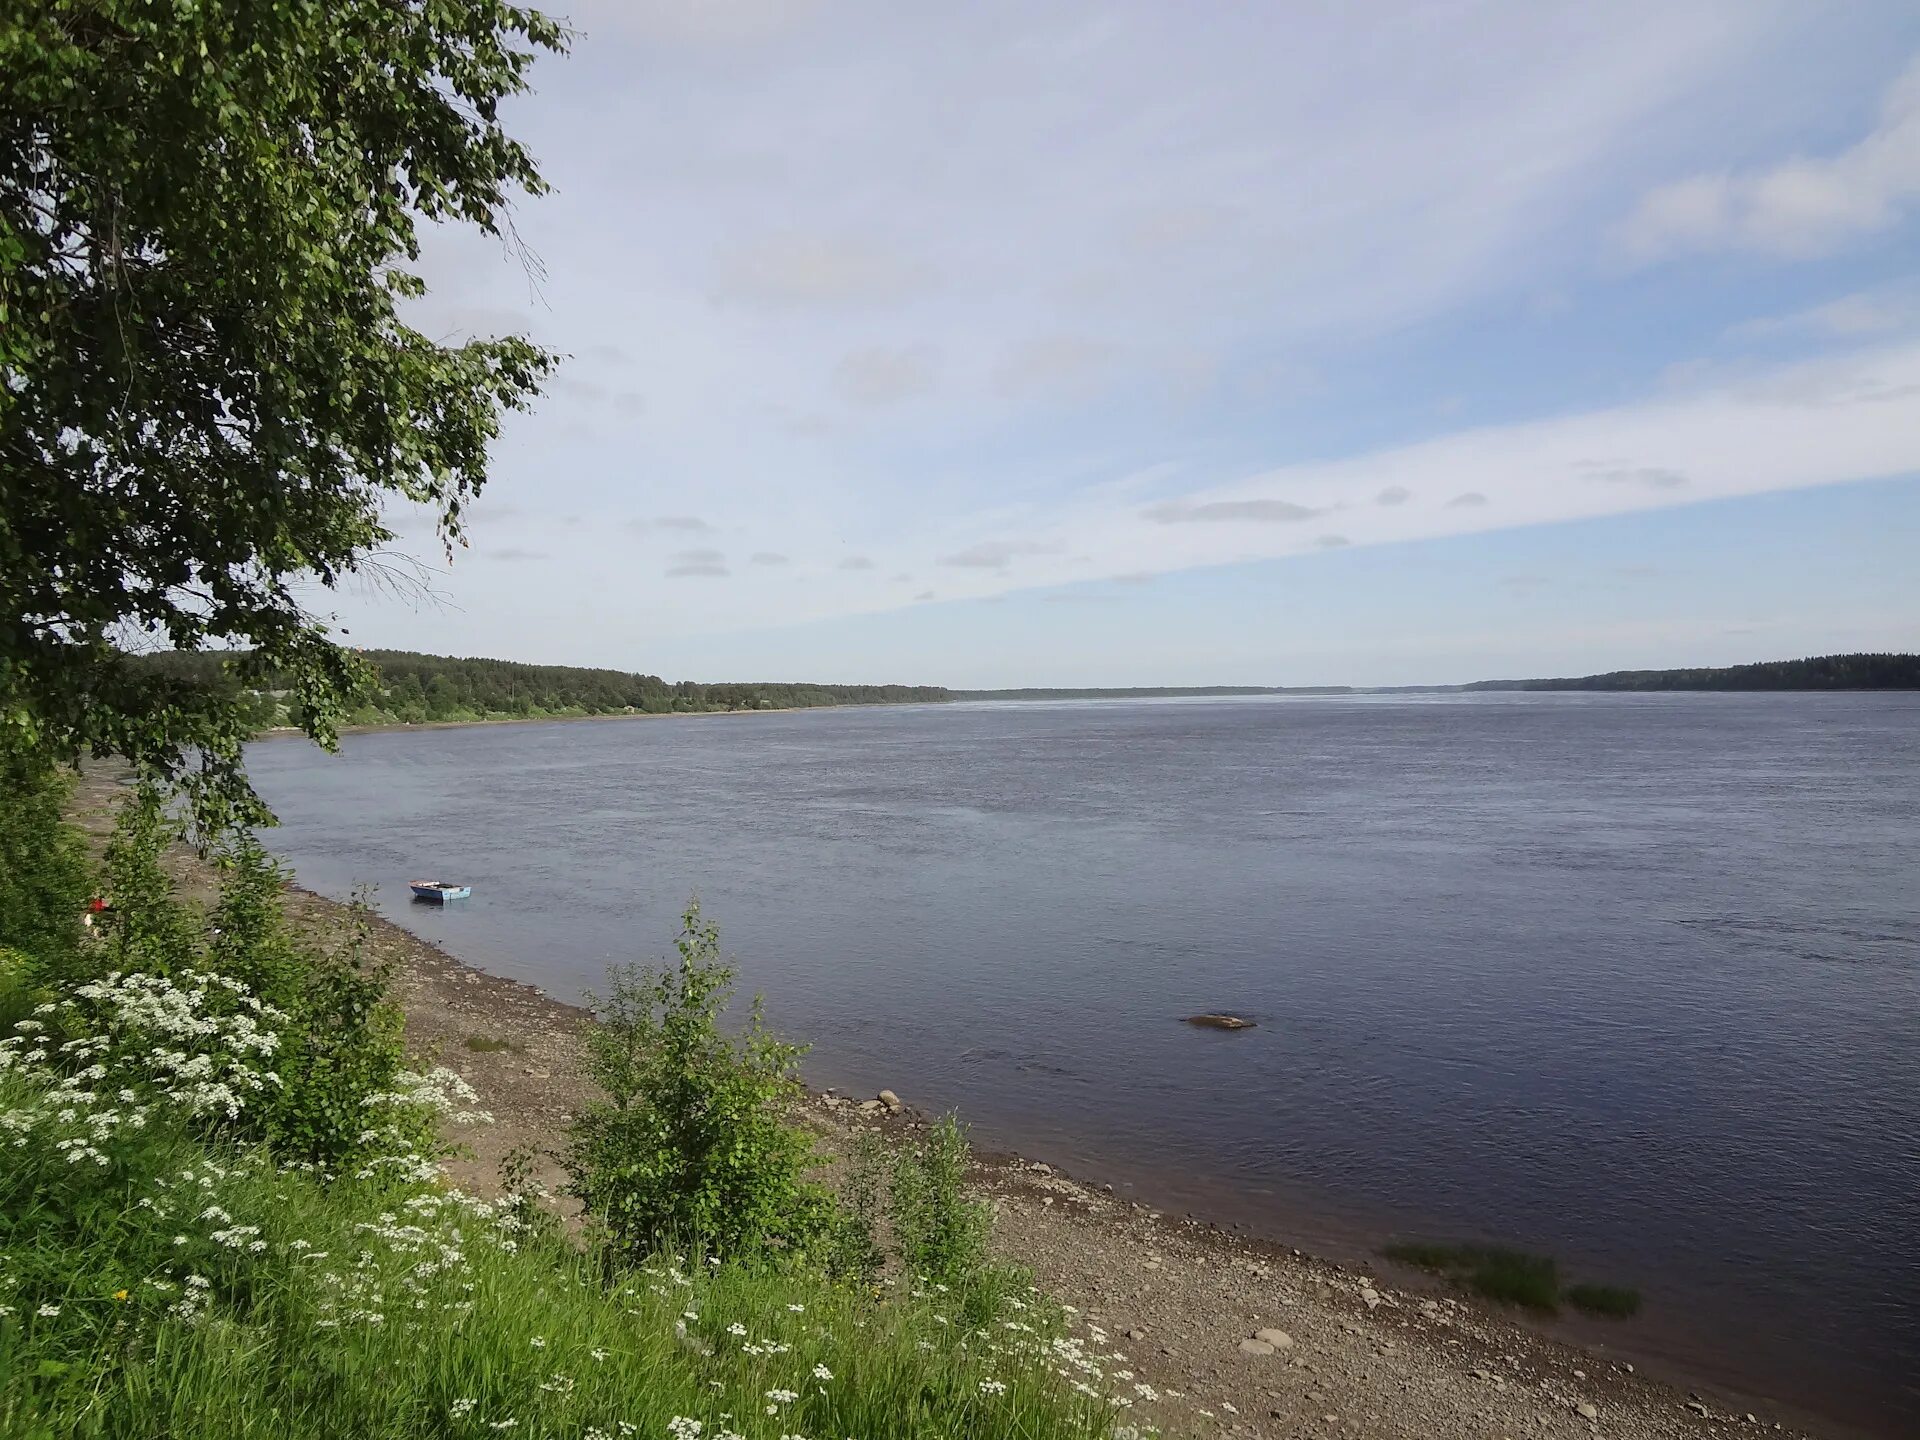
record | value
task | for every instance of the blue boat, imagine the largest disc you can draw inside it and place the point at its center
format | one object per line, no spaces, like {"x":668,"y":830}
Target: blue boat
{"x":439,"y":891}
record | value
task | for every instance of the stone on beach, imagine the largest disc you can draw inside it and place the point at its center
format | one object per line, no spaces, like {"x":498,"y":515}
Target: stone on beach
{"x":1278,"y":1339}
{"x":890,"y":1100}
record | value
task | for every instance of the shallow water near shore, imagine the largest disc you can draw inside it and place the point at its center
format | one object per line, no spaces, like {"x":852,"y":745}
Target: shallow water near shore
{"x":1634,"y":980}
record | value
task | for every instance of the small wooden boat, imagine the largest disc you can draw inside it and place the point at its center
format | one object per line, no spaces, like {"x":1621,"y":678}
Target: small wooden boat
{"x":438,"y":890}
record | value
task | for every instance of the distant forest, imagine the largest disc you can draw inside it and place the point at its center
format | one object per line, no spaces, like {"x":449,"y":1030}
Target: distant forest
{"x":1818,"y":672}
{"x":1149,"y":692}
{"x":415,"y":689}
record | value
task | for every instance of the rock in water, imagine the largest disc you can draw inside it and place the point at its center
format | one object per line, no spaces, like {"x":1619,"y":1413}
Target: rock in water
{"x":1220,"y":1022}
{"x":890,"y":1100}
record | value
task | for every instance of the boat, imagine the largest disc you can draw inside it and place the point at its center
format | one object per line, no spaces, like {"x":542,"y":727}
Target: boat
{"x":438,"y":890}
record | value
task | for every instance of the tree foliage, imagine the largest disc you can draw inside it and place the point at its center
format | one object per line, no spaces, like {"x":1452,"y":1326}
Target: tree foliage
{"x":408,"y":688}
{"x":209,"y":221}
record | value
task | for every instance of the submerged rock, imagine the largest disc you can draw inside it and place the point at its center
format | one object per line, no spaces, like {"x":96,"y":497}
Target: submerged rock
{"x":1220,"y":1022}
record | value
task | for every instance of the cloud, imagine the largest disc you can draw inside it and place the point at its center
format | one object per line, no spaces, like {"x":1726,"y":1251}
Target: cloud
{"x":1467,"y":500}
{"x":685,"y":524}
{"x":577,"y":388}
{"x":924,"y":595}
{"x":1653,"y":477}
{"x":1265,"y":512}
{"x":697,"y":562}
{"x":1393,"y":495}
{"x":998,"y":554}
{"x":800,"y":270}
{"x":882,"y":376}
{"x":855,"y":562}
{"x":1333,"y":542}
{"x":701,"y":23}
{"x":1801,"y":207}
{"x":1060,"y":366}
{"x":1868,"y":312}
{"x":512,"y":553}
{"x":769,"y":557}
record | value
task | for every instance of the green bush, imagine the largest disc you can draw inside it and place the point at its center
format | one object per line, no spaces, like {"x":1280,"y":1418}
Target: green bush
{"x":44,"y":872}
{"x":247,"y":935}
{"x":343,"y":1099}
{"x":941,"y":1232}
{"x":149,"y":929}
{"x":691,"y":1144}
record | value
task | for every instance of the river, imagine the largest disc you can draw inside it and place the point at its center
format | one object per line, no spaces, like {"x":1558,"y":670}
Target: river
{"x":1630,"y":979}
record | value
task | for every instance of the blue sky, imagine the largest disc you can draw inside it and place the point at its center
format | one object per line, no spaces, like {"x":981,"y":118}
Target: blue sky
{"x":1134,"y":344}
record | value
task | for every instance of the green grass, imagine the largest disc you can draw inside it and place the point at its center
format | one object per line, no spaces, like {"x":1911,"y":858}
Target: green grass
{"x":406,"y":1312}
{"x":1513,"y":1277}
{"x":1612,"y":1302}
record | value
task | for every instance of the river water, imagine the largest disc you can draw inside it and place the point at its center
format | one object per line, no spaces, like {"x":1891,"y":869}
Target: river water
{"x":1631,"y":979}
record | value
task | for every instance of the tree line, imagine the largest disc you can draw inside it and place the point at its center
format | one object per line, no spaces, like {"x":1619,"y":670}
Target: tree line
{"x":408,"y":688}
{"x":1863,"y":671}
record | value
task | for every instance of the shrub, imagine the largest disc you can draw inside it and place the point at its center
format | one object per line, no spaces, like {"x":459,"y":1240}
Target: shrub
{"x":247,"y":937}
{"x":852,"y":1250}
{"x":691,"y":1141}
{"x":149,"y":929}
{"x":344,"y":1099}
{"x":44,"y":871}
{"x":941,"y":1232}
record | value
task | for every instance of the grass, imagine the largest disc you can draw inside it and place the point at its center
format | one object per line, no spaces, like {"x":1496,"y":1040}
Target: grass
{"x":1513,"y":1277}
{"x":1611,"y":1302}
{"x":406,"y":1312}
{"x":488,"y":1044}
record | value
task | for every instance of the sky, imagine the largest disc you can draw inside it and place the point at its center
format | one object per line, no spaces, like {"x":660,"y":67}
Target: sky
{"x":1395,"y":342}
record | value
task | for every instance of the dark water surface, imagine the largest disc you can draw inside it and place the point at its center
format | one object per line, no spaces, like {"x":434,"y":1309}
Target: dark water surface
{"x":1630,"y":979}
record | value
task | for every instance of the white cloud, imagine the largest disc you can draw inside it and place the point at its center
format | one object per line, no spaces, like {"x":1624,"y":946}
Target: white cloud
{"x":817,"y":270}
{"x":1801,"y":207}
{"x":884,"y":375}
{"x":1848,"y":418}
{"x":1865,"y":313}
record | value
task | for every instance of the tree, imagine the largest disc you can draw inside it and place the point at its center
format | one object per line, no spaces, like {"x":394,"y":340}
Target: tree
{"x":209,"y":219}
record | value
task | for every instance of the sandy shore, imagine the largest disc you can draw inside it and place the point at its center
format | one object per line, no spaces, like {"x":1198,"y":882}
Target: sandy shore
{"x":1359,"y":1353}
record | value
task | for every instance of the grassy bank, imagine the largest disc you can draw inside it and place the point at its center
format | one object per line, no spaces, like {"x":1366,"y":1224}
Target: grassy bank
{"x":223,"y":1212}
